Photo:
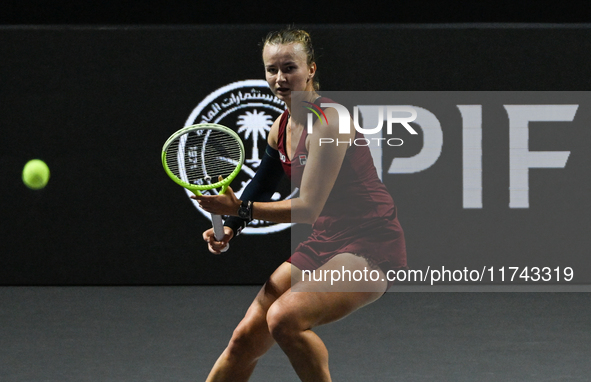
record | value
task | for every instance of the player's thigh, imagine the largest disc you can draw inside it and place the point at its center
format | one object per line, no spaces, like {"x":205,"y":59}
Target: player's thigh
{"x":313,"y":302}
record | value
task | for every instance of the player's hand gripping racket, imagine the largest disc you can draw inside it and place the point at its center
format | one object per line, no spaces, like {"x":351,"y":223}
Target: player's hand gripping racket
{"x":197,"y":155}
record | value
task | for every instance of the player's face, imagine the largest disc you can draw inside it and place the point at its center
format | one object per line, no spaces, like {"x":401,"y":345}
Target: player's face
{"x":287,"y":70}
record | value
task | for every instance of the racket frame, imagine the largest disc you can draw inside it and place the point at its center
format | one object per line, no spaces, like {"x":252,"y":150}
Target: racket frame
{"x":217,"y":222}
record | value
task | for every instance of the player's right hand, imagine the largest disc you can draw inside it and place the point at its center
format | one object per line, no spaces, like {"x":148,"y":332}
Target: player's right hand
{"x":215,"y":246}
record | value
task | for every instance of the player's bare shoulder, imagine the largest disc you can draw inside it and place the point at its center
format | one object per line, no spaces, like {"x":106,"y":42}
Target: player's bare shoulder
{"x":329,"y":132}
{"x":330,"y":126}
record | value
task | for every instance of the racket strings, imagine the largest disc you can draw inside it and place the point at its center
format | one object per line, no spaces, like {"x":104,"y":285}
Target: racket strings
{"x":200,"y":157}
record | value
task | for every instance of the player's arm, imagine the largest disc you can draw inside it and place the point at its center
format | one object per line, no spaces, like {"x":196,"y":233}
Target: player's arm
{"x":261,"y":187}
{"x":264,"y":183}
{"x":322,"y":168}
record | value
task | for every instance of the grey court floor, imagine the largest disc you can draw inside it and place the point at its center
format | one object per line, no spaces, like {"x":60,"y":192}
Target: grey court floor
{"x":176,"y":333}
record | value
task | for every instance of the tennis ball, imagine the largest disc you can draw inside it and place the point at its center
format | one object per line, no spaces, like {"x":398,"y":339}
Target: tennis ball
{"x":35,"y":174}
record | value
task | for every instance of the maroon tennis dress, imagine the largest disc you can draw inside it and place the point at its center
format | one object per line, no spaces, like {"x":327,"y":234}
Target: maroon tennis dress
{"x":359,"y":216}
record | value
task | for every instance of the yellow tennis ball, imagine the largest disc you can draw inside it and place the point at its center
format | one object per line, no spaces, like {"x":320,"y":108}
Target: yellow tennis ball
{"x":35,"y":174}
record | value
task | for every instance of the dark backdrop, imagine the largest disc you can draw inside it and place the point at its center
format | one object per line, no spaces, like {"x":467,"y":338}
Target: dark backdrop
{"x":303,"y":11}
{"x":96,"y":103}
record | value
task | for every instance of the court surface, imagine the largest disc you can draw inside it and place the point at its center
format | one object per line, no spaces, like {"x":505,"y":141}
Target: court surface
{"x":176,"y":333}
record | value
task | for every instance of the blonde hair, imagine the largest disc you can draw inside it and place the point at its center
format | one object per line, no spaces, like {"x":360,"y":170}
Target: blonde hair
{"x":291,"y":35}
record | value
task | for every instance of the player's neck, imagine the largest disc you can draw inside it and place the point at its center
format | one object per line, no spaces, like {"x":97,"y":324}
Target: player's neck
{"x":312,"y":96}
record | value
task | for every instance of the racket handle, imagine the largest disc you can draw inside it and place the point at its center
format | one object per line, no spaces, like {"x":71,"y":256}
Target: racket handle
{"x":218,"y":229}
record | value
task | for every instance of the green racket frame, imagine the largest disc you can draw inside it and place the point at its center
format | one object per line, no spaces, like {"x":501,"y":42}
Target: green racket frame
{"x":224,"y":183}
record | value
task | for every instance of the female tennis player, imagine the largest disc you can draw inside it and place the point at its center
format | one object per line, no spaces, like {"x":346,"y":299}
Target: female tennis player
{"x":353,"y":217}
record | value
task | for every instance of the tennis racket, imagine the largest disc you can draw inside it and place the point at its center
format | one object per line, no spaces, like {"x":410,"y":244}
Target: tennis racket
{"x":197,"y":155}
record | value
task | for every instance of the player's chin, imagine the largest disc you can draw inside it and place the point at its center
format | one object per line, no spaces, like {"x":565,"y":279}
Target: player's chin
{"x":283,"y":93}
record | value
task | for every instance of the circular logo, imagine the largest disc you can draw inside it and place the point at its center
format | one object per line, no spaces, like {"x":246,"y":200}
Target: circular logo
{"x":249,"y":108}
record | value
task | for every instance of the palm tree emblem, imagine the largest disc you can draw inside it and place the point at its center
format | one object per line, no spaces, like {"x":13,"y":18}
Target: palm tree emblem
{"x":254,"y":125}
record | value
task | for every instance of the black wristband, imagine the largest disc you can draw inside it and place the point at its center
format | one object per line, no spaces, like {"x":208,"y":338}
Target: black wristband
{"x":235,"y":224}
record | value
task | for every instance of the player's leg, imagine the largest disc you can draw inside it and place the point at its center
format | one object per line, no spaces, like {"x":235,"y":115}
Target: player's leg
{"x":292,"y":316}
{"x":251,"y":338}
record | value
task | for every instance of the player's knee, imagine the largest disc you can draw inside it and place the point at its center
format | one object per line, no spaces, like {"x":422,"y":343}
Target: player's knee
{"x":283,"y":323}
{"x":242,"y":343}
